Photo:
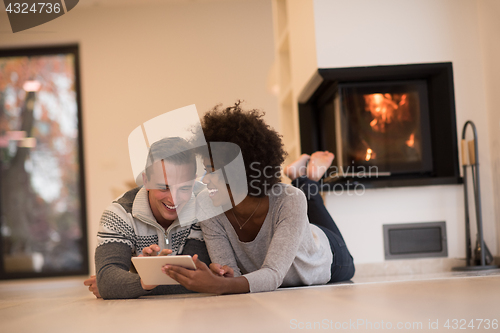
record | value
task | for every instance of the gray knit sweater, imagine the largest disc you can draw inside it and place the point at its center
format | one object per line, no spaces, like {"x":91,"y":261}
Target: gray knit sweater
{"x":287,"y":251}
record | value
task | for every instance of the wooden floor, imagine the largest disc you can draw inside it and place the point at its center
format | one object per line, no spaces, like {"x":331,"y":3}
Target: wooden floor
{"x":412,"y":305}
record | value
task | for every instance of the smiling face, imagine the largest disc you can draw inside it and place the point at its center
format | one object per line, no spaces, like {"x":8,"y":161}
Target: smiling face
{"x":169,"y":188}
{"x":216,"y":185}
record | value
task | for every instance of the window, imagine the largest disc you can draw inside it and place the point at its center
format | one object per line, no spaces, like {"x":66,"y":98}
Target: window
{"x":42,"y":197}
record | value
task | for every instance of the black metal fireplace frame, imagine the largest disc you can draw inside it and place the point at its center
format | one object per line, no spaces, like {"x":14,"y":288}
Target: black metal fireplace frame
{"x":443,"y":128}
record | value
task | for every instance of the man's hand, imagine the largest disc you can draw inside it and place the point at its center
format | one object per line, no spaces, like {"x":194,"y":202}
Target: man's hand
{"x":153,"y":250}
{"x":150,"y":251}
{"x":92,"y":283}
{"x":201,"y":280}
{"x":146,"y":286}
{"x":219,"y":270}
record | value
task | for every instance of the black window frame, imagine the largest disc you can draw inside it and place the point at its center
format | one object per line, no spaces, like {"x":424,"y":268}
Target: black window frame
{"x":72,"y":49}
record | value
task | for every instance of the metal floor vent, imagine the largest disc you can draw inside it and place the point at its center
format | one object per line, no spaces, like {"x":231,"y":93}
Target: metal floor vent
{"x":415,"y":240}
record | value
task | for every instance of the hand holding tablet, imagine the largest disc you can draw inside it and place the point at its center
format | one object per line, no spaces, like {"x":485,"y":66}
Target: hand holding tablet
{"x":149,"y":268}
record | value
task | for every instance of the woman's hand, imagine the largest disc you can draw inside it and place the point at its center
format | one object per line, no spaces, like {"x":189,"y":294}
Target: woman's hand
{"x":153,"y":250}
{"x":219,"y":270}
{"x":201,"y":280}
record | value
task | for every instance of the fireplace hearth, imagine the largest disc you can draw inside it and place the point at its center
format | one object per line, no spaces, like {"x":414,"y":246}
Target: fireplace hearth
{"x":387,"y":125}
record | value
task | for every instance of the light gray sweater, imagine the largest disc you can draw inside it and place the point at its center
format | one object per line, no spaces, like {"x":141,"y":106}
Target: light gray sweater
{"x":287,"y":251}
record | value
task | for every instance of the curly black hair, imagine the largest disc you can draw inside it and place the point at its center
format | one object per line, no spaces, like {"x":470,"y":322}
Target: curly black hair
{"x":261,"y":146}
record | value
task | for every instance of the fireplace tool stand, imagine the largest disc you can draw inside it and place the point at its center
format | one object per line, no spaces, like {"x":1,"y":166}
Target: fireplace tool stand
{"x":482,"y":256}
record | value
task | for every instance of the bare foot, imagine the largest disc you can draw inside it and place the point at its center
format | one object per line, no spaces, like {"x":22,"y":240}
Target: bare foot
{"x":297,"y":168}
{"x":318,"y":164}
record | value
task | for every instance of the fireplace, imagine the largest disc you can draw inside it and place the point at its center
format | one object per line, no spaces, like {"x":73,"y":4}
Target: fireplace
{"x":387,"y":125}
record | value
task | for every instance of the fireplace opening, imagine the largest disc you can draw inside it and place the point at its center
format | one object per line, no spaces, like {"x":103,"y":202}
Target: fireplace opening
{"x":387,"y":125}
{"x":381,"y":127}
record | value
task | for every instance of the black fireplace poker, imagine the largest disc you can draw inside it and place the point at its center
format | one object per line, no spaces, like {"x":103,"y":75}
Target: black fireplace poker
{"x":482,"y":256}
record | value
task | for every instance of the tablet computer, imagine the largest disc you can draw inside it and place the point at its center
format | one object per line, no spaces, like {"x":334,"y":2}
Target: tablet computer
{"x":149,"y":268}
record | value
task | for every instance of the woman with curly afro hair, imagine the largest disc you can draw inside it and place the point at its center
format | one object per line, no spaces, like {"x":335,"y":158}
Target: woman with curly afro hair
{"x":276,"y":234}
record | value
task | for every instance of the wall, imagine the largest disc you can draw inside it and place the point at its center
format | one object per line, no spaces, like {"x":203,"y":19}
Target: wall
{"x":489,"y":26}
{"x":303,"y":58}
{"x":385,"y":32}
{"x":140,"y":61}
{"x":295,"y":61}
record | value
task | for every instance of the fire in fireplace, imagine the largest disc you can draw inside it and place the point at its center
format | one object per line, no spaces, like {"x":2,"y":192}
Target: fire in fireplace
{"x":393,"y":125}
{"x":384,"y":125}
